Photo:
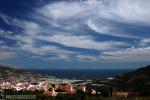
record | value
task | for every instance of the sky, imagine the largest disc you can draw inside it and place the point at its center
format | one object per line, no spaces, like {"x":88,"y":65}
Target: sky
{"x":75,"y":34}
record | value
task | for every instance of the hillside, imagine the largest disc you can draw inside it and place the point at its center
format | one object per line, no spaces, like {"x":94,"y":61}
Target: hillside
{"x":9,"y":74}
{"x":137,"y":81}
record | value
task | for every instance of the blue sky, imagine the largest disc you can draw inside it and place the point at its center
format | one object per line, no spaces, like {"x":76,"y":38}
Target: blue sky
{"x":75,"y":34}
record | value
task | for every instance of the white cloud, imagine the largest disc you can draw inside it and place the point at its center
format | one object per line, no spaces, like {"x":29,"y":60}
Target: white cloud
{"x":63,"y":57}
{"x":86,"y":42}
{"x":6,"y":54}
{"x":107,"y":30}
{"x":145,"y":42}
{"x":31,"y":47}
{"x":6,"y":34}
{"x":31,"y":27}
{"x":28,"y":43}
{"x":61,"y":10}
{"x":25,"y":39}
{"x":132,"y":11}
{"x":84,"y":13}
{"x":61,"y":16}
{"x":28,"y":27}
{"x":88,"y":58}
{"x":130,"y":54}
{"x":74,"y":15}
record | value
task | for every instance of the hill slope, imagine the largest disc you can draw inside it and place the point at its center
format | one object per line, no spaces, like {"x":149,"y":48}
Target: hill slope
{"x":136,"y":81}
{"x":10,"y":74}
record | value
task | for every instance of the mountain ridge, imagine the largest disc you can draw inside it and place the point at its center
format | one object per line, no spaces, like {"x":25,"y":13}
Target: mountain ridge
{"x":9,"y":74}
{"x":137,"y":81}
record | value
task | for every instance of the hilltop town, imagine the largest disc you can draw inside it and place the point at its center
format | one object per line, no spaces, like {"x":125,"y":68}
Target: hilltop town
{"x":18,"y":81}
{"x":21,"y":80}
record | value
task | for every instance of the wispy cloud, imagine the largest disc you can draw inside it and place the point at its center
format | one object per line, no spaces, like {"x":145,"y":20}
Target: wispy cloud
{"x":130,"y":54}
{"x":145,"y":42}
{"x":7,"y":34}
{"x":86,"y":42}
{"x":84,"y":13}
{"x":62,"y":57}
{"x":30,"y":44}
{"x":132,"y":11}
{"x":81,"y":25}
{"x":27,"y":27}
{"x":106,"y":29}
{"x":6,"y":54}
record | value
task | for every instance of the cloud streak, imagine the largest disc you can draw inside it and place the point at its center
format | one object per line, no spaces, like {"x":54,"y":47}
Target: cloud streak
{"x":86,"y":42}
{"x":89,"y":25}
{"x":85,"y":13}
{"x":6,"y":54}
{"x":130,"y":54}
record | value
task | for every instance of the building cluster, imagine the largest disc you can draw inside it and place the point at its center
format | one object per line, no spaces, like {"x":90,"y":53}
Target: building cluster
{"x":49,"y":89}
{"x":62,"y":86}
{"x":23,"y":86}
{"x":46,"y":87}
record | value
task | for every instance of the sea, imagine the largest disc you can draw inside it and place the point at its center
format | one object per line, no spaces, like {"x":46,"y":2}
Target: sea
{"x":78,"y":74}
